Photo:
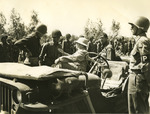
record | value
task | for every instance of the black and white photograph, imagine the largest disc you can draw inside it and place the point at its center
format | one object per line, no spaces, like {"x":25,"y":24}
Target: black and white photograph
{"x":74,"y":56}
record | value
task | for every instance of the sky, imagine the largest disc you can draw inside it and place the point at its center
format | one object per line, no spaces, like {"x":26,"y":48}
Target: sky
{"x":70,"y":16}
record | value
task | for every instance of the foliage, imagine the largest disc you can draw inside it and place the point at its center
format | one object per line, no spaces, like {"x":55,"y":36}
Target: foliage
{"x":17,"y":28}
{"x":2,"y":23}
{"x":93,"y":29}
{"x":115,"y":28}
{"x":34,"y":22}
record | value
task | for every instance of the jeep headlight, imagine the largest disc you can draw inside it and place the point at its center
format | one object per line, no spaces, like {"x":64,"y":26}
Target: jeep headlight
{"x":17,"y":96}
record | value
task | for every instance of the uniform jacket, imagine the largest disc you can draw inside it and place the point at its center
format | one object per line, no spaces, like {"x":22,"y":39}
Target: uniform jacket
{"x":32,"y":43}
{"x":140,"y":53}
{"x":67,"y":47}
{"x":49,"y":53}
{"x":5,"y":52}
{"x":139,"y":78}
{"x":79,"y":59}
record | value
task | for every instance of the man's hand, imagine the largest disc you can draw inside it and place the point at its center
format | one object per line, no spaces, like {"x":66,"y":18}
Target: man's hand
{"x":28,"y":54}
{"x":57,"y":60}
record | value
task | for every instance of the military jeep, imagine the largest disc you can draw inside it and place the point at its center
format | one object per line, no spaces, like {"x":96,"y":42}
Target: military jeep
{"x":43,"y":89}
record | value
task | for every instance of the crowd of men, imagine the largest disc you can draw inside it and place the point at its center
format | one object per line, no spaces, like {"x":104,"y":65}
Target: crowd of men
{"x":45,"y":54}
{"x":73,"y":55}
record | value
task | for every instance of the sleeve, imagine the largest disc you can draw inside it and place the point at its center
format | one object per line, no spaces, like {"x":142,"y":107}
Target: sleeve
{"x":88,"y":46}
{"x":144,"y":50}
{"x":144,"y":47}
{"x":21,"y":44}
{"x":79,"y":56}
{"x":98,"y":47}
{"x":76,"y":57}
{"x":43,"y":52}
{"x":63,"y":45}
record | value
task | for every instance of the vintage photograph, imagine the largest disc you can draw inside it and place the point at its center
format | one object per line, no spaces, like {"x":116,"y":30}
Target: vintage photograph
{"x":74,"y":56}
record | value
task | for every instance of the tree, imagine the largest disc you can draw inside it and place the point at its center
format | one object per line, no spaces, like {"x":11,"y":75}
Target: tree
{"x":93,"y":28}
{"x":115,"y":28}
{"x":17,"y":28}
{"x":34,"y":22}
{"x":2,"y":23}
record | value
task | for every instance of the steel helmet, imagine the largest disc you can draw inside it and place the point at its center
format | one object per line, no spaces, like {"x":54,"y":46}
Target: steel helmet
{"x":42,"y":29}
{"x":68,"y":35}
{"x":82,"y":41}
{"x":56,"y":33}
{"x":104,"y":35}
{"x":142,"y":23}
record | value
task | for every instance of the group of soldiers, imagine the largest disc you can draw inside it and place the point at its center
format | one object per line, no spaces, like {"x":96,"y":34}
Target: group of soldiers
{"x":31,"y":52}
{"x":9,"y":53}
{"x":74,"y":56}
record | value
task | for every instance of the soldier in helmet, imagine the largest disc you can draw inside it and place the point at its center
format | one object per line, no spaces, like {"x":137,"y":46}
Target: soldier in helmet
{"x":67,"y":45}
{"x":4,"y":49}
{"x":92,"y":46}
{"x":50,"y":52}
{"x":139,"y":79}
{"x":102,"y":43}
{"x":31,"y":45}
{"x":105,"y":48}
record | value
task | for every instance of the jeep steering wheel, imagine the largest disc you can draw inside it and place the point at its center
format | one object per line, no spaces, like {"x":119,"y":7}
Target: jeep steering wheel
{"x":100,"y":62}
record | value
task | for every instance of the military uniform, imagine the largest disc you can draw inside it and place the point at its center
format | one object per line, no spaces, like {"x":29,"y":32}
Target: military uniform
{"x":92,"y":47}
{"x":49,"y":53}
{"x":67,"y":47}
{"x":138,"y":89}
{"x":5,"y":53}
{"x":32,"y":44}
{"x":101,"y":46}
{"x":78,"y":61}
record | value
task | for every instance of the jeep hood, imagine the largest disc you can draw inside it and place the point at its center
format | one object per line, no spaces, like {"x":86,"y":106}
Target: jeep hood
{"x":21,"y":71}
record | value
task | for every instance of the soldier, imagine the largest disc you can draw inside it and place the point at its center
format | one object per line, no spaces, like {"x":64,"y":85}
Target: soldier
{"x":115,"y":44}
{"x":31,"y":45}
{"x":50,"y":52}
{"x":76,"y":61}
{"x":66,"y":45}
{"x":106,"y":47}
{"x":92,"y":47}
{"x":139,"y":79}
{"x":4,"y":49}
{"x":131,"y":45}
{"x":102,"y":43}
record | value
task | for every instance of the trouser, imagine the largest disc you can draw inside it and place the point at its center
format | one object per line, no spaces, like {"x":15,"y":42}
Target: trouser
{"x":67,"y":65}
{"x":138,"y":103}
